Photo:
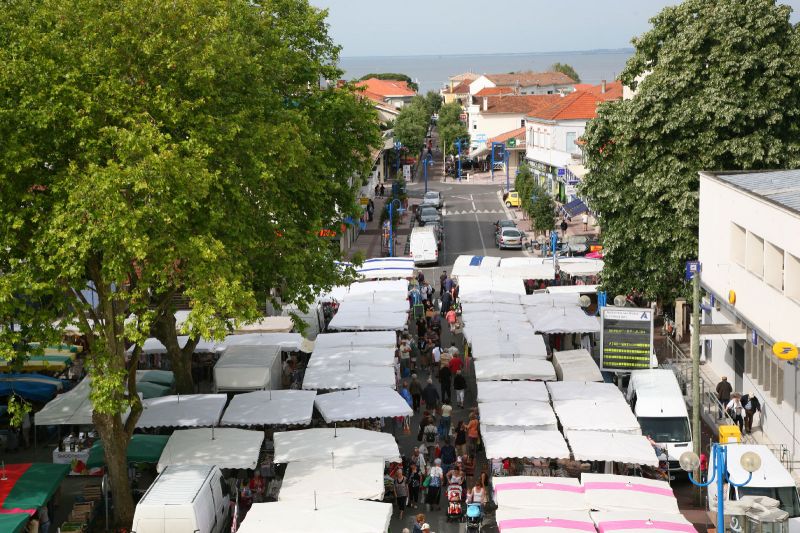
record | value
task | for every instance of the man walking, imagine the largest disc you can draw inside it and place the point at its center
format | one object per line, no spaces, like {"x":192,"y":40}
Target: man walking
{"x":751,"y":405}
{"x":460,"y":386}
{"x":430,"y":396}
{"x":415,"y":388}
{"x":724,"y":391}
{"x":444,"y":381}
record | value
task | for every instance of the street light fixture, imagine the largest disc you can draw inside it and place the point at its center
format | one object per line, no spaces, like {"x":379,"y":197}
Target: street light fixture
{"x":397,"y":146}
{"x":391,"y":225}
{"x":427,"y":161}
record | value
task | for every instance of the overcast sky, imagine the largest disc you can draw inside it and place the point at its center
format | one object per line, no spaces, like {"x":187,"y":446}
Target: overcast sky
{"x":413,"y":27}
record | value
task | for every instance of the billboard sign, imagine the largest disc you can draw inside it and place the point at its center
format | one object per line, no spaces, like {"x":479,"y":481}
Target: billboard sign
{"x":407,"y":172}
{"x":626,"y":338}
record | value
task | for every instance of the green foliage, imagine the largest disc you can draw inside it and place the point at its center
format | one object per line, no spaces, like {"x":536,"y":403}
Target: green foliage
{"x":721,"y":92}
{"x":536,"y":201}
{"x":566,"y":69}
{"x":434,"y":101}
{"x":451,"y":127}
{"x":391,"y":76}
{"x":411,"y":125}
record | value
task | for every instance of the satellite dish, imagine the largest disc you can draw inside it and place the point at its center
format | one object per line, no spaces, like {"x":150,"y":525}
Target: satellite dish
{"x":620,"y":300}
{"x":585,"y":301}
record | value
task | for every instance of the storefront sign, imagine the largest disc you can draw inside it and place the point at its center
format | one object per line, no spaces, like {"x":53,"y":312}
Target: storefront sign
{"x":511,"y":143}
{"x":77,"y":461}
{"x":364,"y":200}
{"x":407,"y":172}
{"x":785,"y":350}
{"x":626,"y":338}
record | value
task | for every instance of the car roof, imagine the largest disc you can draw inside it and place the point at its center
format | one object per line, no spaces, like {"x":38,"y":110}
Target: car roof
{"x":657,"y":393}
{"x":508,"y":230}
{"x":507,"y":223}
{"x":771,"y":474}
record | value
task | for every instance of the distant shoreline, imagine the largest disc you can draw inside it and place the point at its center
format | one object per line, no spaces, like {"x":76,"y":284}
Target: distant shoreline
{"x":554,"y":53}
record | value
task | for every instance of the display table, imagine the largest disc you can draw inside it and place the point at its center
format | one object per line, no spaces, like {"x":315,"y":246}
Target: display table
{"x":77,"y":461}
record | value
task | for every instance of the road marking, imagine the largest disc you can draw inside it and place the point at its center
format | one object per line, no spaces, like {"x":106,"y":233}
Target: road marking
{"x":480,"y":233}
{"x":473,"y":202}
{"x":454,"y":212}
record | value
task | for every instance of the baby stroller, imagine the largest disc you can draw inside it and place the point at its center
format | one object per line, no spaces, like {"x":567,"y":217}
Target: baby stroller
{"x":454,"y":509}
{"x":474,"y":517}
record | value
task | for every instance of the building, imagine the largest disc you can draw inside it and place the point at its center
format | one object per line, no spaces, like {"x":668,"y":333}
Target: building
{"x":525,"y":83}
{"x":490,"y":116}
{"x":750,"y":254}
{"x":456,"y":93}
{"x":396,"y":93}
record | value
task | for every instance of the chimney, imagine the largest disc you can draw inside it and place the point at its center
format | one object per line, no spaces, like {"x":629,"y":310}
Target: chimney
{"x":603,"y":87}
{"x":485,"y":103}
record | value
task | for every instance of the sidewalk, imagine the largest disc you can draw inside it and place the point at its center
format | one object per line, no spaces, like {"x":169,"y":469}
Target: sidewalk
{"x":574,"y":227}
{"x":369,"y":240}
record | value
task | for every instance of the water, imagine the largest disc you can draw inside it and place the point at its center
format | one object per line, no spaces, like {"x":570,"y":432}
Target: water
{"x":431,"y":71}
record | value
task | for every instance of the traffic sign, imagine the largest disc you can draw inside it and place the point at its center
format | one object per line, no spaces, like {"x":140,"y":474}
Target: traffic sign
{"x":692,"y":268}
{"x":562,"y":172}
{"x":512,"y":143}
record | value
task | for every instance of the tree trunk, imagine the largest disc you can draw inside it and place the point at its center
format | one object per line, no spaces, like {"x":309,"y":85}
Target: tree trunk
{"x":115,"y":442}
{"x":180,"y":358}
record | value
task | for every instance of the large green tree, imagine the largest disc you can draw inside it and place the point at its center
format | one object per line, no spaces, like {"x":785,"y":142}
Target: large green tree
{"x":718,"y":86}
{"x":451,"y":127}
{"x":567,"y":69}
{"x":411,"y":125}
{"x":156,"y":148}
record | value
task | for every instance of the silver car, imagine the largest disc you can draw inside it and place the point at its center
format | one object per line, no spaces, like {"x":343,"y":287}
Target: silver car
{"x":509,"y":238}
{"x":433,"y":199}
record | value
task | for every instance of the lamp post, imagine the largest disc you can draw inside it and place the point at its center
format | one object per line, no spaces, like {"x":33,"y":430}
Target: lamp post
{"x":458,"y":145}
{"x":508,"y":180}
{"x":750,"y":461}
{"x":397,"y":146}
{"x":391,"y":225}
{"x":427,"y":161}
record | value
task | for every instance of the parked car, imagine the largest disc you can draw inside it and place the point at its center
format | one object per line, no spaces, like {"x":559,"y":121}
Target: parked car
{"x":500,"y":224}
{"x":428,"y":214}
{"x":512,"y":199}
{"x":509,"y":238}
{"x":433,"y":199}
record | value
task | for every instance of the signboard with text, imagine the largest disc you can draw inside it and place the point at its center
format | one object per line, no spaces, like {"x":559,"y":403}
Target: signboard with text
{"x":626,"y":338}
{"x":407,"y":172}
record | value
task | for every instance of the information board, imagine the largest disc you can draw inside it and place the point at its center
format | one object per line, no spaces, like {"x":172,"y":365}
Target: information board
{"x":626,"y":338}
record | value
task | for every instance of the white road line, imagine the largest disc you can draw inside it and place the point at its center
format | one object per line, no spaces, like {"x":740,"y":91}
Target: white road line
{"x":473,"y":201}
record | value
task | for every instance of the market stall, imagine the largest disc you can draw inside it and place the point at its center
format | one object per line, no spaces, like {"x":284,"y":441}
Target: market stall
{"x":14,"y":522}
{"x":513,"y":520}
{"x":507,"y":345}
{"x":32,"y":387}
{"x":606,"y":492}
{"x":579,"y":390}
{"x":248,"y":368}
{"x":360,"y":403}
{"x":288,"y":342}
{"x":360,"y":479}
{"x":267,"y":324}
{"x":543,"y":299}
{"x":191,"y":410}
{"x":607,"y":415}
{"x":369,"y":291}
{"x":517,"y":414}
{"x":492,"y":391}
{"x":469,"y":285}
{"x":348,"y":376}
{"x":576,"y":365}
{"x":573,"y":289}
{"x":608,"y":446}
{"x":223,"y":447}
{"x":497,"y":369}
{"x":24,"y":487}
{"x":368,"y":355}
{"x":642,"y":522}
{"x":141,"y":449}
{"x":533,"y":492}
{"x":386,"y":268}
{"x":474,"y":265}
{"x":266,"y":408}
{"x":553,"y":320}
{"x":325,"y":443}
{"x":356,"y":316}
{"x":487,"y":295}
{"x":503,"y":444}
{"x":356,"y":339}
{"x":318,"y":515}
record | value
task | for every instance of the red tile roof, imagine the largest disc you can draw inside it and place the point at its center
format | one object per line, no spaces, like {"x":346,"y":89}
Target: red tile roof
{"x":579,"y":105}
{"x":613,"y":89}
{"x":494,"y":91}
{"x":518,"y":134}
{"x":462,"y":88}
{"x":386,"y":88}
{"x":530,"y":79}
{"x":526,"y":103}
{"x":466,"y":76}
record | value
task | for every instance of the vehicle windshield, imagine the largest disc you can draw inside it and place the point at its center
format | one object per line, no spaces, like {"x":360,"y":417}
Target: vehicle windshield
{"x":429,"y":211}
{"x":667,"y":429}
{"x":431,"y":195}
{"x":507,"y":224}
{"x":511,"y":233}
{"x":786,"y":495}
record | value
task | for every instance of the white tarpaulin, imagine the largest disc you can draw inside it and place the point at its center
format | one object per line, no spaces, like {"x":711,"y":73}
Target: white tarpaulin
{"x":576,"y":365}
{"x":153,"y":346}
{"x":190,"y":410}
{"x":223,"y":447}
{"x":344,"y":376}
{"x":364,"y":402}
{"x":487,"y":296}
{"x":473,"y":265}
{"x":530,"y":271}
{"x":474,"y":284}
{"x":469,"y":317}
{"x":325,"y":515}
{"x":248,"y":368}
{"x":370,"y":355}
{"x":369,"y":290}
{"x":607,"y":492}
{"x":514,"y":520}
{"x":320,"y":443}
{"x":533,"y":492}
{"x":597,"y":415}
{"x":573,"y":289}
{"x":527,"y":443}
{"x":288,"y":342}
{"x":492,"y":391}
{"x":356,"y":339}
{"x":265,"y":408}
{"x":518,"y":414}
{"x":72,"y":408}
{"x":562,"y":320}
{"x":386,"y":268}
{"x":544,"y":299}
{"x":268,"y":324}
{"x":492,"y":308}
{"x":642,"y":522}
{"x":617,"y":447}
{"x":508,"y":345}
{"x":581,"y":267}
{"x":577,"y":390}
{"x":514,"y":369}
{"x":360,"y":479}
{"x":358,"y":316}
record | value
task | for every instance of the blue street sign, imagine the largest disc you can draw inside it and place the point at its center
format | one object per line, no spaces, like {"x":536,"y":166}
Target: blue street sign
{"x":553,"y":241}
{"x":562,"y":171}
{"x":692,"y":268}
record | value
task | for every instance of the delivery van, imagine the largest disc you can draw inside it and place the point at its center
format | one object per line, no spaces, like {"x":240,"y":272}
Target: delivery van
{"x":184,"y":499}
{"x":424,"y":245}
{"x":657,"y":401}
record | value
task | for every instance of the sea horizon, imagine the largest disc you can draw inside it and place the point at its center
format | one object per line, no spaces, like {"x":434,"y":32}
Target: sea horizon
{"x":480,"y":54}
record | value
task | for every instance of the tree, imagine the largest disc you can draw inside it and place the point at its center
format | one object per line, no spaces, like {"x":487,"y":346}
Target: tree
{"x":566,"y":69}
{"x":451,"y":127}
{"x":160,"y":148}
{"x":536,"y":201}
{"x":718,"y":88}
{"x":391,"y":76}
{"x":411,"y":125}
{"x":434,"y":101}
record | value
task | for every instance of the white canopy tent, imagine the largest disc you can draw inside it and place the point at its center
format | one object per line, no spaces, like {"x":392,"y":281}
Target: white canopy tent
{"x":191,"y":410}
{"x":369,"y":355}
{"x":386,"y":268}
{"x":561,"y":320}
{"x":508,"y":346}
{"x":533,"y":492}
{"x":617,"y":447}
{"x":288,"y":342}
{"x":350,"y":478}
{"x":578,"y":390}
{"x":514,"y":369}
{"x":369,"y":290}
{"x":268,"y":324}
{"x":348,"y":376}
{"x":356,"y":316}
{"x":579,"y":266}
{"x":318,"y":515}
{"x":492,"y":391}
{"x":543,"y":299}
{"x":529,"y":271}
{"x":607,"y":492}
{"x":470,"y":317}
{"x":596,"y":415}
{"x":223,"y":447}
{"x":642,"y":522}
{"x":514,"y":520}
{"x":492,"y":308}
{"x":248,"y":368}
{"x":72,"y":408}
{"x":153,"y":346}
{"x":270,"y":407}
{"x":323,"y":443}
{"x":473,"y":265}
{"x":469,"y":285}
{"x":525,"y":443}
{"x":356,"y":339}
{"x":518,"y":414}
{"x":363,"y":402}
{"x":576,"y":365}
{"x":573,"y":289}
{"x":488,"y":296}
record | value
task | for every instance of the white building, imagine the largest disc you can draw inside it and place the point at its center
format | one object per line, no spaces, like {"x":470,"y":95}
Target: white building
{"x":526,"y":82}
{"x":750,"y":255}
{"x":490,"y":116}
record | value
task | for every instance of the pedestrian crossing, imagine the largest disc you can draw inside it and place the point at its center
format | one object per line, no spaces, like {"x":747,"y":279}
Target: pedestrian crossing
{"x":453,"y":212}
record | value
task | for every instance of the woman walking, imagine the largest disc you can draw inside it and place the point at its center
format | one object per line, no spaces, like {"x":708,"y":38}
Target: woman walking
{"x":435,"y":481}
{"x":401,"y":491}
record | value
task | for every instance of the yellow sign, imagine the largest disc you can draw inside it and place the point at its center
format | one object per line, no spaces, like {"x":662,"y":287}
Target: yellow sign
{"x":785,"y":350}
{"x":732,"y":297}
{"x":364,"y":200}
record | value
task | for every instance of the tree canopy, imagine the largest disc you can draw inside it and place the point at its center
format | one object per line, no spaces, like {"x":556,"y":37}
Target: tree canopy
{"x":391,"y":76}
{"x":451,"y":127}
{"x":411,"y":125}
{"x":535,"y":201}
{"x":564,"y":68}
{"x":718,"y":89}
{"x":160,"y":148}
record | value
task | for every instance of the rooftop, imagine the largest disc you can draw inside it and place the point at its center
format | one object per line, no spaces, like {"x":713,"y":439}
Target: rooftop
{"x":526,"y":103}
{"x":578,"y":105}
{"x":466,"y":76}
{"x":386,"y":88}
{"x":613,"y":89}
{"x":518,"y":134}
{"x":530,"y":79}
{"x":494,"y":91}
{"x":780,"y":187}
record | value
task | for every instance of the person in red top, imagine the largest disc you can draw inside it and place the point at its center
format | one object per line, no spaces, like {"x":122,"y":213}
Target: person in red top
{"x":703,"y":468}
{"x":455,"y":364}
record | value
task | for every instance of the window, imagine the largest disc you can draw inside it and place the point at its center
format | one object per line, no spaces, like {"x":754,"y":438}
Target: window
{"x":522,"y":123}
{"x":755,"y":254}
{"x":773,"y":266}
{"x":570,"y":144}
{"x":474,"y":126}
{"x":738,"y":238}
{"x":792,"y":280}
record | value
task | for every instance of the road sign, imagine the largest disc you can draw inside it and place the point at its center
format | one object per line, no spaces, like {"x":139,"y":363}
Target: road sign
{"x":562,"y":171}
{"x":498,"y":152}
{"x":511,"y":143}
{"x":692,"y":268}
{"x":626,"y":338}
{"x":407,"y":172}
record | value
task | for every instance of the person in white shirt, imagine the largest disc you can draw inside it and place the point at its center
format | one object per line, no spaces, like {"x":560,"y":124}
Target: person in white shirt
{"x":735,"y":410}
{"x":437,"y":356}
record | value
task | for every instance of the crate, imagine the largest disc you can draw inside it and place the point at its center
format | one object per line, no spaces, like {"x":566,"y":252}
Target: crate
{"x":730,"y":435}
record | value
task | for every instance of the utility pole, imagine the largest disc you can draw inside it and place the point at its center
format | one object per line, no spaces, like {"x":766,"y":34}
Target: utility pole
{"x":696,"y":432}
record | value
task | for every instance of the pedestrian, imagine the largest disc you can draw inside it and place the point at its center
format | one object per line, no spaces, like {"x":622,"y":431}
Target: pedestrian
{"x":585,"y":220}
{"x":436,"y":356}
{"x":751,"y":406}
{"x":444,"y":420}
{"x":377,"y":189}
{"x":736,"y":410}
{"x":478,"y":494}
{"x":448,"y":284}
{"x":442,"y":279}
{"x":448,"y":455}
{"x":420,"y":278}
{"x":430,"y":396}
{"x":44,"y":519}
{"x":435,"y":480}
{"x":401,"y":491}
{"x":419,"y":521}
{"x":461,"y":438}
{"x":445,"y":382}
{"x":455,"y":364}
{"x":564,"y":227}
{"x":370,"y":209}
{"x":414,"y":484}
{"x":452,"y":320}
{"x":445,"y":358}
{"x":422,"y":328}
{"x":415,"y":388}
{"x":459,"y":385}
{"x":724,"y":391}
{"x":382,"y":190}
{"x":406,"y":394}
{"x":418,"y":459}
{"x":473,"y":434}
{"x":703,"y":468}
{"x":405,"y":355}
{"x":447,"y":300}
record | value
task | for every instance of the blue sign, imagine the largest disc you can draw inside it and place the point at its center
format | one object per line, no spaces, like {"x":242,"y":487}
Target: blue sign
{"x":754,"y":338}
{"x":553,"y":242}
{"x":692,"y":268}
{"x":562,"y":172}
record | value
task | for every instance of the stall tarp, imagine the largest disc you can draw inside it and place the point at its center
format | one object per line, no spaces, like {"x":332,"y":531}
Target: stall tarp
{"x":607,"y":492}
{"x":34,"y":378}
{"x":525,"y":443}
{"x":268,"y":324}
{"x":325,"y":443}
{"x":325,"y":515}
{"x":141,"y":449}
{"x":573,"y":289}
{"x":533,"y":492}
{"x":28,"y":486}
{"x":191,"y":410}
{"x":360,"y":479}
{"x":370,"y":356}
{"x":364,"y":402}
{"x":368,"y":290}
{"x":492,"y":391}
{"x":597,"y":415}
{"x":386,"y":268}
{"x":578,"y":390}
{"x":492,"y":308}
{"x":247,"y":368}
{"x":288,"y":342}
{"x":513,"y":520}
{"x":642,"y":522}
{"x":467,"y":286}
{"x":508,"y":345}
{"x":473,"y":265}
{"x":530,"y":271}
{"x":223,"y":447}
{"x":584,"y":267}
{"x":518,"y":414}
{"x":152,"y":390}
{"x":576,"y":365}
{"x":337,"y":377}
{"x":543,"y":299}
{"x":489,"y":296}
{"x":159,"y":377}
{"x":73,"y":408}
{"x":36,"y":392}
{"x":356,"y":339}
{"x":617,"y":447}
{"x":46,"y":363}
{"x":514,"y":369}
{"x":357,"y":316}
{"x":266,"y":408}
{"x":153,"y":346}
{"x":14,"y":522}
{"x":562,"y":320}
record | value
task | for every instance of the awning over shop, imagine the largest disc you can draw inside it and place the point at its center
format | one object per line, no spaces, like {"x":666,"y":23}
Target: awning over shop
{"x":607,"y":492}
{"x":28,"y":486}
{"x":141,"y":449}
{"x":574,"y":208}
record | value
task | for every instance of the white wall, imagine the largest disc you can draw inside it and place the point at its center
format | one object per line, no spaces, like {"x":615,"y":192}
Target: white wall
{"x":480,"y":83}
{"x":493,"y":124}
{"x":547,"y":89}
{"x":547,"y":142}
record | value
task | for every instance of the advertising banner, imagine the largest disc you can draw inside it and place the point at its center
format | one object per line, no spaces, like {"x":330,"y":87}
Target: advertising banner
{"x":626,"y":338}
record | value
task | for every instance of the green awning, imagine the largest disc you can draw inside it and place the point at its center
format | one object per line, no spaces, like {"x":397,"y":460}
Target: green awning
{"x":141,"y":449}
{"x":14,"y":522}
{"x":30,"y":485}
{"x":152,"y":390}
{"x":161,"y":377}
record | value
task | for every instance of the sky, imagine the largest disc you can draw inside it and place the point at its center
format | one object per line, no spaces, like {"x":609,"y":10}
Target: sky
{"x":441,"y":27}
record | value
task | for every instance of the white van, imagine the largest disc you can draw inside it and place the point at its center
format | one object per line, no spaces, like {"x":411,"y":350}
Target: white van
{"x":424,"y":245}
{"x":657,"y":401}
{"x":184,"y":499}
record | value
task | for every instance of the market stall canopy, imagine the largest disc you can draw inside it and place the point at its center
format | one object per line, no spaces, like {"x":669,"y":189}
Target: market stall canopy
{"x":576,"y":365}
{"x":361,"y":479}
{"x":543,"y":299}
{"x":607,"y":492}
{"x":363,"y":402}
{"x":353,"y":316}
{"x":513,"y":520}
{"x":525,"y":443}
{"x":25,"y":487}
{"x":492,"y":391}
{"x":159,"y":377}
{"x":223,"y":447}
{"x":518,"y":414}
{"x":323,"y":443}
{"x":488,"y":297}
{"x":288,"y":342}
{"x":72,"y":408}
{"x":520,"y":331}
{"x":266,"y":408}
{"x":344,"y":376}
{"x":40,"y":363}
{"x":562,"y":320}
{"x":514,"y":369}
{"x":473,"y":265}
{"x":577,"y":390}
{"x":14,"y":522}
{"x":491,"y":308}
{"x":386,"y":268}
{"x":153,"y":346}
{"x":37,"y":388}
{"x":152,"y":390}
{"x":325,"y":515}
{"x":533,"y":492}
{"x":369,"y":355}
{"x":573,"y":289}
{"x":190,"y":410}
{"x":141,"y":449}
{"x":356,"y":339}
{"x":642,"y":522}
{"x":268,"y":324}
{"x":530,"y":271}
{"x":247,"y":368}
{"x":508,"y":345}
{"x":617,"y":447}
{"x":580,"y":266}
{"x":596,"y":415}
{"x":470,"y":285}
{"x":368,"y":290}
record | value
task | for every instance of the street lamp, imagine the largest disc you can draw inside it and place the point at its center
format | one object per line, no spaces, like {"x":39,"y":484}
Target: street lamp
{"x":508,"y":180}
{"x":458,"y":145}
{"x":427,"y":161}
{"x":397,"y":147}
{"x":391,"y":225}
{"x":690,"y":462}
